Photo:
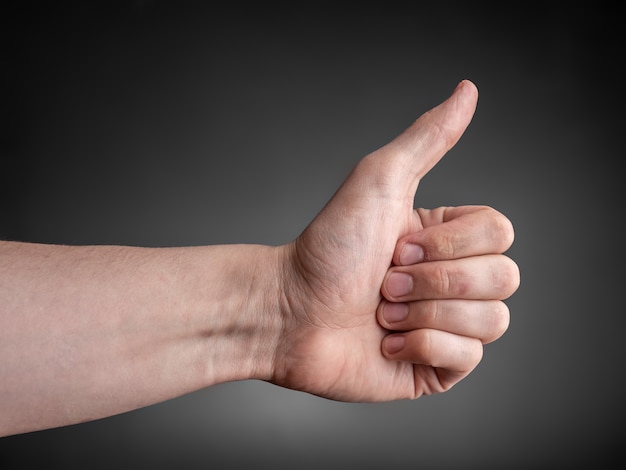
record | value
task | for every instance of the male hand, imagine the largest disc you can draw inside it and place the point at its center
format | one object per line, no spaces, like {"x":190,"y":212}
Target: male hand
{"x":442,"y":272}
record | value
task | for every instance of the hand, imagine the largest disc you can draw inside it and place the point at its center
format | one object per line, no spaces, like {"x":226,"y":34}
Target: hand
{"x":334,"y":343}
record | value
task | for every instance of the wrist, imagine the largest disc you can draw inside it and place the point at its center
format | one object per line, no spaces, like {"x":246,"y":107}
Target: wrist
{"x":243,"y":319}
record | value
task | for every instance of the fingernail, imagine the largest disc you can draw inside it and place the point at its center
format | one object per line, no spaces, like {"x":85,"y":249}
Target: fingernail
{"x":394,"y":343}
{"x":395,"y":312}
{"x":399,"y":284}
{"x":411,"y":254}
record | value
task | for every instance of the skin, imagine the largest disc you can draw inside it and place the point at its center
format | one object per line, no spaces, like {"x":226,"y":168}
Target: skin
{"x":92,"y":331}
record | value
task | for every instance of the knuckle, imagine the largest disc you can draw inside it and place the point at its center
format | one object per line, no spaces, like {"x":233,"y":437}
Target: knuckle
{"x":511,"y":278}
{"x":423,"y":346}
{"x":499,"y":321}
{"x":440,"y":281}
{"x":443,"y":245}
{"x":429,"y":312}
{"x":502,"y":319}
{"x":469,"y":353}
{"x":475,"y":355}
{"x":502,"y":231}
{"x":505,"y":277}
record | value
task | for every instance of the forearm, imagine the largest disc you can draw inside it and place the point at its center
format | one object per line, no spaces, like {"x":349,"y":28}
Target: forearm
{"x":88,"y":332}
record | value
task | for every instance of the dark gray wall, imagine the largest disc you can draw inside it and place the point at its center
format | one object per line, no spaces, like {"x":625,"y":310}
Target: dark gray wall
{"x":170,"y":123}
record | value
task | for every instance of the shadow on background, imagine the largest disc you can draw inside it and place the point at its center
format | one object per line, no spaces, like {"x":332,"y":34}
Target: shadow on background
{"x":171,"y":123}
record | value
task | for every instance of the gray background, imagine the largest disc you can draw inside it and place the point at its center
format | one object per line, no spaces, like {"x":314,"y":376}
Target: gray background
{"x":174,"y":123}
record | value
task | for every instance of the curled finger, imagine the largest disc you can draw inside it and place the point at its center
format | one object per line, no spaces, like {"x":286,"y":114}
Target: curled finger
{"x":434,"y":348}
{"x":478,"y":277}
{"x":486,"y":320}
{"x":455,"y":232}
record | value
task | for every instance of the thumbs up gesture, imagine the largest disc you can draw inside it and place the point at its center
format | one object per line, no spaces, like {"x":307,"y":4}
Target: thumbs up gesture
{"x":381,"y":301}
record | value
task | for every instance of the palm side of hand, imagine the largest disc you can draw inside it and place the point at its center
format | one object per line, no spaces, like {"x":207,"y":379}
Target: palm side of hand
{"x":332,"y":341}
{"x":333,"y":346}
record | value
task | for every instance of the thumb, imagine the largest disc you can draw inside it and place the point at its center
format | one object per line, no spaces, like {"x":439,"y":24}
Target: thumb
{"x":400,"y":164}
